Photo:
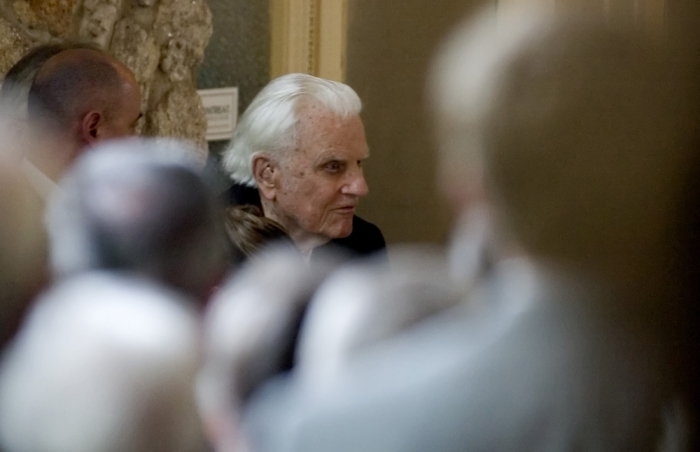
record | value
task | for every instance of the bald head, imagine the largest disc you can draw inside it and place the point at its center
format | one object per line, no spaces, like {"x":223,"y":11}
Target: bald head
{"x":86,"y":94}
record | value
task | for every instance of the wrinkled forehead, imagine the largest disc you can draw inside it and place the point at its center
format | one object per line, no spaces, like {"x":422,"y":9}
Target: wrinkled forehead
{"x":320,"y":128}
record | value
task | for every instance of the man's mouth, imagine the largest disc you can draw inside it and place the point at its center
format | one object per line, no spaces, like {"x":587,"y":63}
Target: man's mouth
{"x":346,"y":209}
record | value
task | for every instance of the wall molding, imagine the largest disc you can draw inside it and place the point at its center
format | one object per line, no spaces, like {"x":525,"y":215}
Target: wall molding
{"x":308,"y":36}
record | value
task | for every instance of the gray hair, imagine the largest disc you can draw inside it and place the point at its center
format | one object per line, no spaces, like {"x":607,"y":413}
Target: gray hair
{"x":270,"y":123}
{"x":138,"y":205}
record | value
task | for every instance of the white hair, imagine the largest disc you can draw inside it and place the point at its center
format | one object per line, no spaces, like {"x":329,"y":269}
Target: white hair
{"x":270,"y":123}
{"x":104,"y":364}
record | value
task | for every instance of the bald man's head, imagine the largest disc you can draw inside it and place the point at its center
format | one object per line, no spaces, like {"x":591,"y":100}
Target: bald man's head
{"x":86,"y":94}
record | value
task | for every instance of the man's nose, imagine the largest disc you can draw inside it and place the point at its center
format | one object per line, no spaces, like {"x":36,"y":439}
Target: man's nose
{"x":356,"y":186}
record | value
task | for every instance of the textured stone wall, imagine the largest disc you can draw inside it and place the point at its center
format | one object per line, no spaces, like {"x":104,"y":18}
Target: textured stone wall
{"x":162,"y":41}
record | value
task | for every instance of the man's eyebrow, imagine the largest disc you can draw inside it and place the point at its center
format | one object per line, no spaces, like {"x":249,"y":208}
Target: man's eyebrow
{"x":324,"y":158}
{"x":331,"y":158}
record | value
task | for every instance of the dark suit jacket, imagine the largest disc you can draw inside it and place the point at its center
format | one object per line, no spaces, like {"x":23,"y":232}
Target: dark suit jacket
{"x":365,"y":240}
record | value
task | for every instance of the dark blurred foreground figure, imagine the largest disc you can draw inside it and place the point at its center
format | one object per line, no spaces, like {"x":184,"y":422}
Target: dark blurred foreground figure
{"x":139,"y":206}
{"x":104,"y":363}
{"x":572,"y":141}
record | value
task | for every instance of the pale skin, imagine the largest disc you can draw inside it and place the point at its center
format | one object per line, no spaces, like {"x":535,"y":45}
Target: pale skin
{"x":93,"y":126}
{"x":313,"y":190}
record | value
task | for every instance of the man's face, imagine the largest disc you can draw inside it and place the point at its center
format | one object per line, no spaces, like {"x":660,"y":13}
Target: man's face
{"x":319,"y":185}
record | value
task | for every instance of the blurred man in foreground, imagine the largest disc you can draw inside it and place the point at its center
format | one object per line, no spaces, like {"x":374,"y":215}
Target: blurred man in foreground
{"x":575,"y":141}
{"x":139,"y":206}
{"x":301,"y":144}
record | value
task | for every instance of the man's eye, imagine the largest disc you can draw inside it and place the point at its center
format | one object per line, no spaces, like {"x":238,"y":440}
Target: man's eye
{"x":334,"y":166}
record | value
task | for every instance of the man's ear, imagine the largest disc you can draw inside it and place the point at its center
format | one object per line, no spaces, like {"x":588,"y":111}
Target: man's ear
{"x":265,"y":173}
{"x":89,"y":127}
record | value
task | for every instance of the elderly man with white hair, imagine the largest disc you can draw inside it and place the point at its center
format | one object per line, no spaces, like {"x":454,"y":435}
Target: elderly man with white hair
{"x":298,"y":153}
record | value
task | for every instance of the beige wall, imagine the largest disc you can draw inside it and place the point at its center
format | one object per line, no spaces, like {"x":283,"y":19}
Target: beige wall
{"x":389,"y":45}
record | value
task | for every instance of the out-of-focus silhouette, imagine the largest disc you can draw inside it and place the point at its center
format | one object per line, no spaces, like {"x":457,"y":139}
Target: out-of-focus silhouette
{"x":139,"y":206}
{"x":104,"y":363}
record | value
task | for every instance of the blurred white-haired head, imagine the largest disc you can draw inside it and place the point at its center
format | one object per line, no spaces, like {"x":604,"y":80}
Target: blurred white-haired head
{"x":251,"y":328}
{"x":104,"y":363}
{"x":574,"y":132}
{"x":139,"y":205}
{"x":270,"y":123}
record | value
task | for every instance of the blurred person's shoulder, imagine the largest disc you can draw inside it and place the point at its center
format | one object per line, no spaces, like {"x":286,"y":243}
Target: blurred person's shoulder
{"x":461,"y":381}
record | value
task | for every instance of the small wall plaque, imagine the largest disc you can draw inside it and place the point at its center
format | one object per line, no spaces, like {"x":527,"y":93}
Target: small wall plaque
{"x":221,"y":107}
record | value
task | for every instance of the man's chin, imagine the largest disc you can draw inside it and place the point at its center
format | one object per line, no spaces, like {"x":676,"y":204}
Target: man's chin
{"x":344,"y":234}
{"x":341,"y":231}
